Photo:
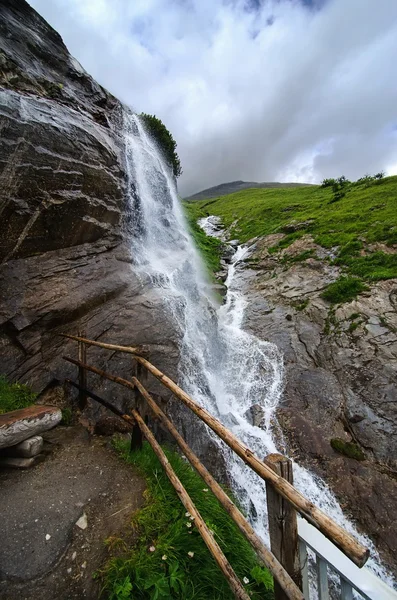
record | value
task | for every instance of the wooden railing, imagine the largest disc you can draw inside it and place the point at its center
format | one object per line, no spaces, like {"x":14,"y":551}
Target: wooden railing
{"x":287,"y":559}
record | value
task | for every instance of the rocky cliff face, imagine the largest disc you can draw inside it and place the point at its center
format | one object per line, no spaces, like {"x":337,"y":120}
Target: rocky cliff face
{"x":65,"y":263}
{"x":340,"y":378}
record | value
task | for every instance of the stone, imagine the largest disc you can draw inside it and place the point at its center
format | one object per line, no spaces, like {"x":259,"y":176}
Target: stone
{"x":26,"y":449}
{"x":82,"y":522}
{"x":17,"y":463}
{"x":255,"y":414}
{"x":25,"y":423}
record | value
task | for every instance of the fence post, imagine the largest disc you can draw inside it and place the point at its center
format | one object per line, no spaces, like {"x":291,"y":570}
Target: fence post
{"x":82,"y":352}
{"x":136,"y":434}
{"x":283,"y":527}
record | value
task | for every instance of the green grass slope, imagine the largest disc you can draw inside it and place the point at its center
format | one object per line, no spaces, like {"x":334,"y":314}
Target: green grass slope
{"x":363,"y":214}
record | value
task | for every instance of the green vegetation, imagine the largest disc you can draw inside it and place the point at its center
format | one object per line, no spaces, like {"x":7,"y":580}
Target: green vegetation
{"x":209,"y":247}
{"x":67,"y":417}
{"x":365,"y":213}
{"x":169,"y":559}
{"x":343,"y":289}
{"x":349,"y":449}
{"x":164,"y":138}
{"x":14,"y":395}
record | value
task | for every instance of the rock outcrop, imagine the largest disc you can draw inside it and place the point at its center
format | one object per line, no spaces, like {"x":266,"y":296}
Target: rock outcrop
{"x":340,"y":377}
{"x":65,"y":263}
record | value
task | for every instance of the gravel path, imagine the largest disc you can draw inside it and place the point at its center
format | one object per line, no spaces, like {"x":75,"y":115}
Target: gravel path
{"x":43,"y":553}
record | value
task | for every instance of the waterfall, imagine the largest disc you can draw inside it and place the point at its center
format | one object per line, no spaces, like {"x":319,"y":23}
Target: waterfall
{"x":224,"y":368}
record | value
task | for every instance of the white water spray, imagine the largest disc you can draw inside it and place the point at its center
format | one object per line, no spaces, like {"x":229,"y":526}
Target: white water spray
{"x":224,"y":368}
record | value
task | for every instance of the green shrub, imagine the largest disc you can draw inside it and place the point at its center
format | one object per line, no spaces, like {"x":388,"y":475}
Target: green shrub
{"x":14,"y":395}
{"x":349,"y":449}
{"x":162,"y":525}
{"x":343,"y":289}
{"x":164,"y":138}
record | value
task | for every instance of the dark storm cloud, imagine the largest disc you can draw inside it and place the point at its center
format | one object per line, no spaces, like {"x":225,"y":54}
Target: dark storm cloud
{"x":258,"y":90}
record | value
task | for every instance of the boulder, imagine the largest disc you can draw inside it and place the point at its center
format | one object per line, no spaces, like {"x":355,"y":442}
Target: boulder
{"x":19,"y":425}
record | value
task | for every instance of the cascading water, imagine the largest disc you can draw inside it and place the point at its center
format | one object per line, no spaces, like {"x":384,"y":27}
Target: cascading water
{"x":224,"y":368}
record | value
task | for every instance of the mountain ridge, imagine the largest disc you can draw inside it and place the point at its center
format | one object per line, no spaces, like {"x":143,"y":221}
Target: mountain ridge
{"x":223,"y":189}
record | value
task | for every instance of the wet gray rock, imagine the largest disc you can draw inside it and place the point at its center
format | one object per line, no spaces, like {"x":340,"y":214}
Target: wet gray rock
{"x":255,"y":415}
{"x":340,"y":381}
{"x":65,"y":262}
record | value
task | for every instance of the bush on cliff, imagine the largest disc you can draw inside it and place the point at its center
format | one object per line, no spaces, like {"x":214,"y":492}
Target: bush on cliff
{"x":169,"y":558}
{"x":164,"y":138}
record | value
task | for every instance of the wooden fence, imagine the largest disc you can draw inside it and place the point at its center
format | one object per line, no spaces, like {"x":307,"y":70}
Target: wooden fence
{"x":287,"y":558}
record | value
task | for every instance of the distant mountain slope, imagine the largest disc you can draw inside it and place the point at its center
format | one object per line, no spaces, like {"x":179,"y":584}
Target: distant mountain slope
{"x":236,"y":186}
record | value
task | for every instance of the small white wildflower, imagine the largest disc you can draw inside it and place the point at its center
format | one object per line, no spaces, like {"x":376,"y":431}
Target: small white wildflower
{"x":187,"y":514}
{"x":191,"y":554}
{"x":188,"y":525}
{"x":246,"y":580}
{"x":205,"y":489}
{"x":152,"y":549}
{"x":192,"y":518}
{"x":164,"y":557}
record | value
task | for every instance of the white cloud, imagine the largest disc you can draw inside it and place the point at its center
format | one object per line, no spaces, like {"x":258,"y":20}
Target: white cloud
{"x":283,"y":92}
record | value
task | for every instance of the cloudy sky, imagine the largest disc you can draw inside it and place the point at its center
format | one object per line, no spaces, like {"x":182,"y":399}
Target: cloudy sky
{"x":260,"y":90}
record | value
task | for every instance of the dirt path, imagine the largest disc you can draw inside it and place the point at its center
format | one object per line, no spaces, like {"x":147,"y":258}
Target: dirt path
{"x":79,"y":475}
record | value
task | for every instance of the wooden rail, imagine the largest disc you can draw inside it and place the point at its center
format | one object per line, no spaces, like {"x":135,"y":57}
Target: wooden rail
{"x":283,"y":499}
{"x":340,"y":537}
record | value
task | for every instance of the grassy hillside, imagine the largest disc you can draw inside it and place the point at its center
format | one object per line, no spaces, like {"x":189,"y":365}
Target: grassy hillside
{"x":350,"y":220}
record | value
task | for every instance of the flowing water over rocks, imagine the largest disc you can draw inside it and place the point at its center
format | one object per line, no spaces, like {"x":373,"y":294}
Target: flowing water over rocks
{"x":229,"y":371}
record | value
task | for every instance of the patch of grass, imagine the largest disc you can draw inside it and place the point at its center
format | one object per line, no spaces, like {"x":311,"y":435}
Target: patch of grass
{"x":169,"y":571}
{"x":301,"y":305}
{"x":343,"y":289}
{"x":302,"y":256}
{"x":14,"y":395}
{"x":349,"y":449}
{"x":67,"y":417}
{"x":353,"y":326}
{"x":209,"y":247}
{"x":374,"y":267}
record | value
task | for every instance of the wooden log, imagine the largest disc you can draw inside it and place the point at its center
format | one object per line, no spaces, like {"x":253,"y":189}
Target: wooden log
{"x":341,"y":538}
{"x":283,"y":526}
{"x":99,"y":372}
{"x":105,"y":403}
{"x":26,"y":449}
{"x":82,"y":352}
{"x":278,"y":572}
{"x":136,"y":434}
{"x":24,"y":423}
{"x":227,"y":570}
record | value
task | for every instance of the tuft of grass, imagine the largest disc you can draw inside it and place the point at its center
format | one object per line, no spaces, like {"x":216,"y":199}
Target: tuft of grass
{"x":343,"y":289}
{"x":301,"y":304}
{"x":67,"y":417}
{"x":302,"y":256}
{"x":159,"y":565}
{"x":349,"y":449}
{"x":14,"y":395}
